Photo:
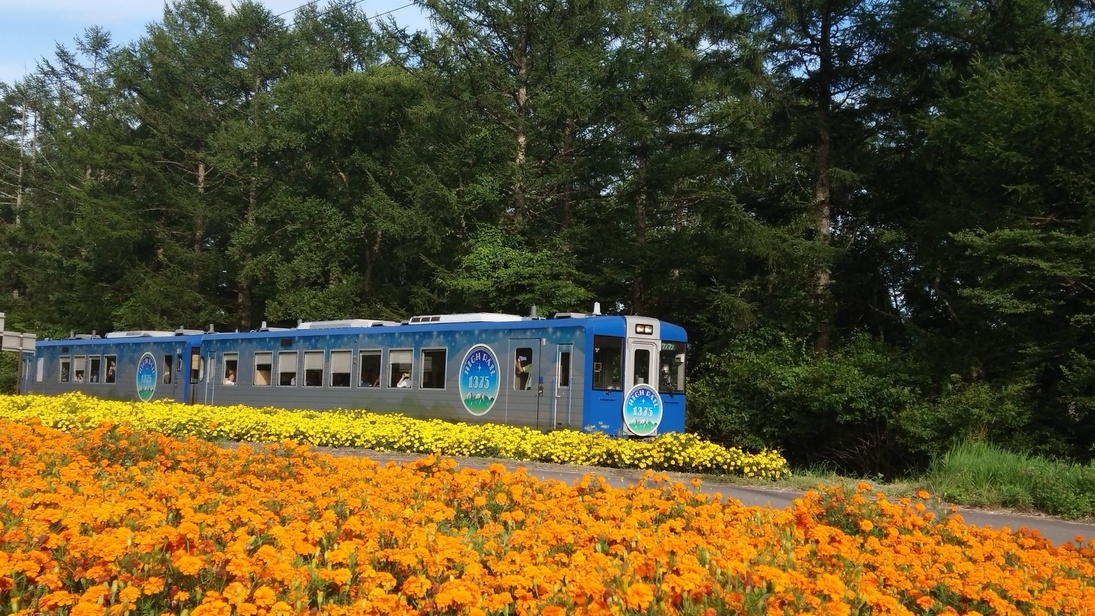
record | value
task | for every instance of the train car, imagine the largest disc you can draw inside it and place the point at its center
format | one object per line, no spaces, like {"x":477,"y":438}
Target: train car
{"x":133,"y":365}
{"x":623,"y":375}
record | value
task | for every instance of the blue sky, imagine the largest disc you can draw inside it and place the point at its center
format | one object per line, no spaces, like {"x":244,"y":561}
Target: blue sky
{"x":31,"y":29}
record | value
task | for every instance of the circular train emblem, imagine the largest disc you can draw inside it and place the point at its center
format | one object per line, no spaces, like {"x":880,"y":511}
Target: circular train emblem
{"x":146,"y":377}
{"x":642,"y":410}
{"x":479,"y":380}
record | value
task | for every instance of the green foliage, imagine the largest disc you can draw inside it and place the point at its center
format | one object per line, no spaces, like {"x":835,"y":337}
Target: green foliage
{"x":981,"y":474}
{"x":9,"y":371}
{"x":497,"y":272}
{"x":965,"y":412}
{"x":841,"y":406}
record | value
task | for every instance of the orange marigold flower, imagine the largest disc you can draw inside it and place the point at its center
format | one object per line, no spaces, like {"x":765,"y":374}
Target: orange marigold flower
{"x":639,"y":596}
{"x":56,"y":599}
{"x":129,"y":594}
{"x":416,"y":586}
{"x":265,"y":596}
{"x":95,"y":594}
{"x":866,"y":525}
{"x":187,"y":564}
{"x":340,"y":576}
{"x":152,"y":585}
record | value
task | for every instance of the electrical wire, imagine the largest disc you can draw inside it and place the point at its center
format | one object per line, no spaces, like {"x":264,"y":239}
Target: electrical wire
{"x":315,"y":2}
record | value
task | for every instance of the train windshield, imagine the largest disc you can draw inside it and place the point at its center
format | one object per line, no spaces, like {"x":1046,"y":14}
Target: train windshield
{"x":671,"y":362}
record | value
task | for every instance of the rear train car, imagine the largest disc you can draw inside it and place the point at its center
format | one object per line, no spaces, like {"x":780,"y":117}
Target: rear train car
{"x":623,"y":375}
{"x":135,"y":365}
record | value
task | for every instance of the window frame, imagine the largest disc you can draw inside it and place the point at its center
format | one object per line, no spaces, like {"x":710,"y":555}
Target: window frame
{"x":605,"y":348}
{"x":109,"y":360}
{"x":230,"y":363}
{"x":379,"y":376}
{"x":256,"y":371}
{"x":338,"y":354}
{"x":428,"y":378}
{"x":281,"y":355}
{"x":395,"y":374}
{"x":308,"y":369}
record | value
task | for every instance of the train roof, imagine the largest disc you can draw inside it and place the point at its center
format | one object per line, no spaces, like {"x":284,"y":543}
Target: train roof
{"x":443,"y":322}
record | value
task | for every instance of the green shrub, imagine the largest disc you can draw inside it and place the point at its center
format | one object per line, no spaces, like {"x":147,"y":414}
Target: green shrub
{"x":966,"y":412}
{"x":839,"y":407}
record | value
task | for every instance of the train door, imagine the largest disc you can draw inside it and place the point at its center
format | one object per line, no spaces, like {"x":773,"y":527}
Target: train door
{"x":641,"y":364}
{"x":26,"y":375}
{"x":171,"y":368}
{"x":526,"y":384}
{"x":562,"y":401}
{"x":195,"y":369}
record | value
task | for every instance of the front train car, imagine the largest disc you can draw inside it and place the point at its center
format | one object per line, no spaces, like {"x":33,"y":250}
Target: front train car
{"x":636,"y":373}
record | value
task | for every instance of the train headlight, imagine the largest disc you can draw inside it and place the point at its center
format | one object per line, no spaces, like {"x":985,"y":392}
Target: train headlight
{"x":644,"y":328}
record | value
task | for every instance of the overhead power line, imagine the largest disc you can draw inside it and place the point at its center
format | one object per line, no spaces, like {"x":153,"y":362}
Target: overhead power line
{"x":315,"y":2}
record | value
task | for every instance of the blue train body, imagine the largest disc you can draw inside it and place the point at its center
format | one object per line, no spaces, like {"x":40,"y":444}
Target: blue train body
{"x":623,"y":375}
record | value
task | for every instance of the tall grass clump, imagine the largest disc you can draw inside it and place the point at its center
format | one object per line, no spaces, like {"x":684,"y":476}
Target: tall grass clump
{"x":981,"y":474}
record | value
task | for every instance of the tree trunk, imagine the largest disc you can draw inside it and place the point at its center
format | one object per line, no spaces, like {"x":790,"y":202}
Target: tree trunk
{"x":521,"y":138}
{"x":822,"y":188}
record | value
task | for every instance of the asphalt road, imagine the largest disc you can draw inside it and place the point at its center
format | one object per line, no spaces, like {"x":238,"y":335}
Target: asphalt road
{"x":1057,"y":531}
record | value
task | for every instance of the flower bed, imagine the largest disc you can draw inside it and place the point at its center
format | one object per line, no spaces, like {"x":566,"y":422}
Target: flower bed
{"x":669,"y":452}
{"x":109,"y":520}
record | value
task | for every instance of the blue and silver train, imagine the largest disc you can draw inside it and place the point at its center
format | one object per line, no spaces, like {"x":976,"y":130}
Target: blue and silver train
{"x":623,"y":375}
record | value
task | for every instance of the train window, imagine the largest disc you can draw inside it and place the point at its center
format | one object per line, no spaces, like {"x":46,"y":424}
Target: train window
{"x":111,"y":369}
{"x":370,"y":369}
{"x":340,"y":368}
{"x":399,"y":368}
{"x":167,"y":361}
{"x":95,"y":372}
{"x":197,"y":365}
{"x":79,"y":366}
{"x":66,"y":369}
{"x":671,"y":362}
{"x":522,"y":368}
{"x":564,"y":369}
{"x":608,"y":354}
{"x":264,"y":368}
{"x":40,"y":370}
{"x":231,"y":368}
{"x":642,"y":366}
{"x":313,"y":368}
{"x":433,"y":368}
{"x":287,"y":368}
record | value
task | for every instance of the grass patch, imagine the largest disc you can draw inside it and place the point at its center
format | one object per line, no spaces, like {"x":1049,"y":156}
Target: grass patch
{"x":979,"y":474}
